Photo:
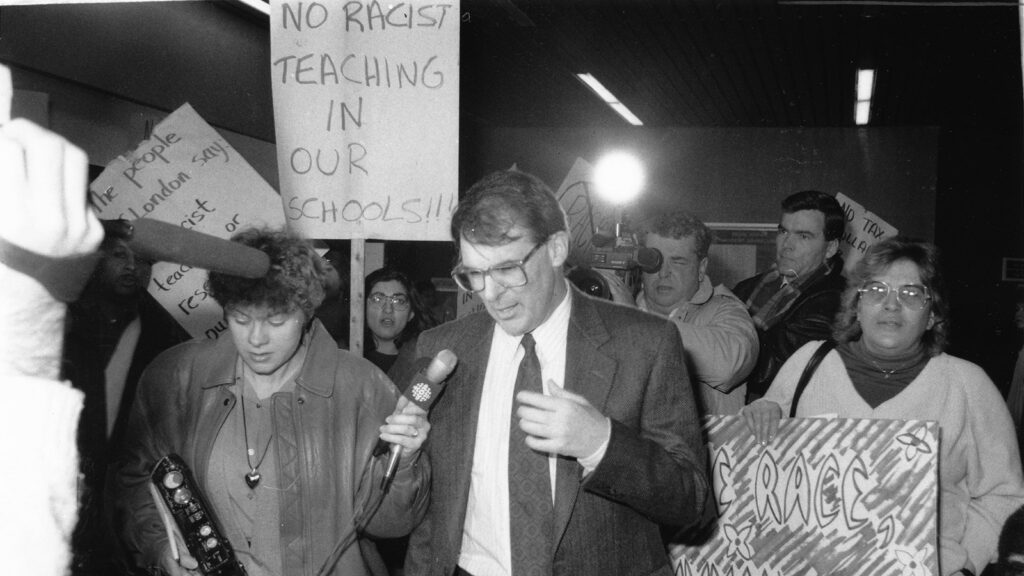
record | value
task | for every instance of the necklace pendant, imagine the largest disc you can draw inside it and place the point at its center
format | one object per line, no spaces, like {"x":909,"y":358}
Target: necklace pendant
{"x":252,"y":479}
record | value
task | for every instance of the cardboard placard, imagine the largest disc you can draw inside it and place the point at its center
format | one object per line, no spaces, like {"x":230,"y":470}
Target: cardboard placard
{"x":586,"y":210}
{"x":826,"y":496}
{"x":863,"y":228}
{"x":186,"y":174}
{"x":366,"y":110}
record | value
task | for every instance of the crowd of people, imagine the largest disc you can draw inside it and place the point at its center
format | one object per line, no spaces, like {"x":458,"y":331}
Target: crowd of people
{"x":567,"y":440}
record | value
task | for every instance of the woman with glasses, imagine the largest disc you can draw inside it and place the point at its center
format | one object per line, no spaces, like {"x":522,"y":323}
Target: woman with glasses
{"x":393,"y":315}
{"x":889,"y":364}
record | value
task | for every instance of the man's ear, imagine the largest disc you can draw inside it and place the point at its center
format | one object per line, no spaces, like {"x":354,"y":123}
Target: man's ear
{"x":702,"y":272}
{"x":831,"y":249}
{"x":558,"y":248}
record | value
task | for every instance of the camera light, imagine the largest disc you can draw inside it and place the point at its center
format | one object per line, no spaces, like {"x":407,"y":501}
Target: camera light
{"x":618,"y":177}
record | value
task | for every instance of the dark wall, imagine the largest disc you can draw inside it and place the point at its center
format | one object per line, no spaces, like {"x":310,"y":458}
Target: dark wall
{"x":741,"y":174}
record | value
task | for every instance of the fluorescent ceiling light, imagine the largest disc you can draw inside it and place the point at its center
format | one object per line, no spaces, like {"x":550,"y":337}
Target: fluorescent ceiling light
{"x":865,"y":84}
{"x":626,"y":113}
{"x":862,"y":112}
{"x":609,"y":98}
{"x":598,"y":88}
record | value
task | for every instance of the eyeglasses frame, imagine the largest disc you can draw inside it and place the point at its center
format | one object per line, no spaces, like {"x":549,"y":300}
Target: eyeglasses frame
{"x":889,"y":289}
{"x":391,"y":299}
{"x":521,"y":264}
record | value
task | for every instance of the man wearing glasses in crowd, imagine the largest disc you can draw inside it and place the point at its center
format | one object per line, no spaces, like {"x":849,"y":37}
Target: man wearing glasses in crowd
{"x":568,"y":433}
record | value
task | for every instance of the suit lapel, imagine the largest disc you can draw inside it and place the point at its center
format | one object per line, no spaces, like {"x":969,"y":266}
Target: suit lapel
{"x":463,"y":413}
{"x":590,"y":373}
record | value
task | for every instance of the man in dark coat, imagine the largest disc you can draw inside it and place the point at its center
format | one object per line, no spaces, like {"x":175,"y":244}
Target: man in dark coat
{"x":796,"y":301}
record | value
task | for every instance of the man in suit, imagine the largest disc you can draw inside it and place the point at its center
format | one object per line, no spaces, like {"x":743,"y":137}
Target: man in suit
{"x":615,"y":430}
{"x":796,"y":301}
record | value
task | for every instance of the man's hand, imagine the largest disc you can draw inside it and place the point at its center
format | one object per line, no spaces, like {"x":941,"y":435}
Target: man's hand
{"x":407,"y":426}
{"x":562,"y":423}
{"x":620,"y":293}
{"x":762,"y":418}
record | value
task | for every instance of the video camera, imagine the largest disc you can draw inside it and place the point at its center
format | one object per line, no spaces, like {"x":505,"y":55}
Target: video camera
{"x":620,"y":253}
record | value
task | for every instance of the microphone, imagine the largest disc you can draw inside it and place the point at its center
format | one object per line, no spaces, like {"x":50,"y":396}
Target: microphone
{"x":422,"y":391}
{"x":164,"y":242}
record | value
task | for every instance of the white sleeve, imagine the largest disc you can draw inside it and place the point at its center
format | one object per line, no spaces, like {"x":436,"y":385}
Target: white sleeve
{"x":38,"y":473}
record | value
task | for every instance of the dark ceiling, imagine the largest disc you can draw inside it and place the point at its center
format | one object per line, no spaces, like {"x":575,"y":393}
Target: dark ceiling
{"x":672,"y":62}
{"x":739,"y":62}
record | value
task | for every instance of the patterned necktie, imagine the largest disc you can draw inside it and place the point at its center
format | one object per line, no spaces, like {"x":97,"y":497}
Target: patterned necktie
{"x":531,"y":514}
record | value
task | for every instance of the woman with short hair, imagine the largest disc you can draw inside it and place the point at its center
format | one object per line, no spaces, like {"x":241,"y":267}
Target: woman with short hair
{"x":279,"y":428}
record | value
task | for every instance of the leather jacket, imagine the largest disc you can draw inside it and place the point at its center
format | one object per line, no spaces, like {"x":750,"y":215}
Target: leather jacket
{"x":338,"y":404}
{"x":810,"y":317}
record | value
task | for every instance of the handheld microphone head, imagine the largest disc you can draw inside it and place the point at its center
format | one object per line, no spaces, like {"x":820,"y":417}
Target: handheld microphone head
{"x":427,"y":384}
{"x":423,"y":391}
{"x":649,"y":259}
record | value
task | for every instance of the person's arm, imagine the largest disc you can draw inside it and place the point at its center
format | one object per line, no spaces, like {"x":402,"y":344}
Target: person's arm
{"x":131,"y":509}
{"x":762,"y":416}
{"x":994,"y":481}
{"x":723,"y":352}
{"x":660,"y":469}
{"x":405,"y":502}
{"x":43,"y":213}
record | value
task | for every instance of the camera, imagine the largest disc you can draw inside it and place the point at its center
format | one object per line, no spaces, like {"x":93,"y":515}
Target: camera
{"x":620,"y":253}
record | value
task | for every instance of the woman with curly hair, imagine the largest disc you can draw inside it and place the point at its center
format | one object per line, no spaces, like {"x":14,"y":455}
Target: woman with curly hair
{"x":889,"y":364}
{"x":279,"y":428}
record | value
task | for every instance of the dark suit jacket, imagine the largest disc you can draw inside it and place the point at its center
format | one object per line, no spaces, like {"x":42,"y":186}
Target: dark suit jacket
{"x":629,"y":365}
{"x":809,"y":318}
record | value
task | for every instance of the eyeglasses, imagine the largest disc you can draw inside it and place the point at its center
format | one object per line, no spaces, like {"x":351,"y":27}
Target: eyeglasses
{"x":399,"y":301}
{"x":913,"y":296}
{"x":508,"y":275}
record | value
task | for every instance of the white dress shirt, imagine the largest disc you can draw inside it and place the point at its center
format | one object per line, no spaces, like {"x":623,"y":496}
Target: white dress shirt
{"x":486,"y":534}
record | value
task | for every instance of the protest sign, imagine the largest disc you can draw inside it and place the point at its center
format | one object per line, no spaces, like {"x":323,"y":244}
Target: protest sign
{"x":468,"y":303}
{"x":863,"y":228}
{"x":586,"y":210}
{"x":186,"y":174}
{"x":366,"y":110}
{"x":826,"y":496}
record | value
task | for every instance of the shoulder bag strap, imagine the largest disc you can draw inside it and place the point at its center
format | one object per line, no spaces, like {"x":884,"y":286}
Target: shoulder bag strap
{"x":812,"y":365}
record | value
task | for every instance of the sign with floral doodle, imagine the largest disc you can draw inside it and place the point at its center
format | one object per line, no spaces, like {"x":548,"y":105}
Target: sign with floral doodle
{"x":827,"y":496}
